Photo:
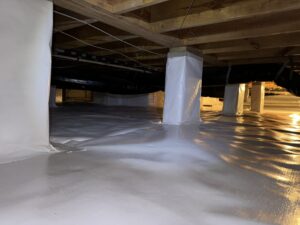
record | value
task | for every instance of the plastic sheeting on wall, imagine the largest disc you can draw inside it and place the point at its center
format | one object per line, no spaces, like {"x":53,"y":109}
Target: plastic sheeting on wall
{"x":26,"y":31}
{"x":234,"y":99}
{"x":121,"y":100}
{"x":183,"y":88}
{"x":155,"y":99}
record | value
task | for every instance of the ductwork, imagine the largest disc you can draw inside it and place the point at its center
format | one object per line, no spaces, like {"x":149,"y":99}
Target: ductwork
{"x":217,"y":77}
{"x":214,"y":79}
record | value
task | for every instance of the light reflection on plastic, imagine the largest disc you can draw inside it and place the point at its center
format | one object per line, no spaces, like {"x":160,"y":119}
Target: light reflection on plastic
{"x":295,"y":118}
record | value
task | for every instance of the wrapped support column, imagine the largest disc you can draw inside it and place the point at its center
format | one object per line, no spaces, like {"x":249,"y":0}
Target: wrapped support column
{"x":234,"y":99}
{"x":183,"y":87}
{"x":26,"y":31}
{"x":258,"y":97}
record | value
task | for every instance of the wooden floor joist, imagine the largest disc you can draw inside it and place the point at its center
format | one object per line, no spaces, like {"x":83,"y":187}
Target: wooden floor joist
{"x":125,"y":6}
{"x":273,"y":41}
{"x":71,"y":24}
{"x":240,"y":10}
{"x":225,"y":31}
{"x":84,"y":7}
{"x":246,"y":33}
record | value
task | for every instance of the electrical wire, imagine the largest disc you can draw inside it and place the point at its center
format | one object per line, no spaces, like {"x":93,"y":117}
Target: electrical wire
{"x":105,"y":32}
{"x":100,"y":63}
{"x":65,"y":67}
{"x":106,"y":49}
{"x":184,"y":18}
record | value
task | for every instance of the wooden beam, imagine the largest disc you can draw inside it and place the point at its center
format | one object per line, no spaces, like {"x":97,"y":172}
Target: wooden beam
{"x":276,"y":59}
{"x":250,"y":54}
{"x":71,"y":24}
{"x":206,"y":58}
{"x":258,"y":60}
{"x":131,"y":5}
{"x":273,"y":41}
{"x":240,"y":10}
{"x":132,"y":50}
{"x":85,"y":7}
{"x":89,"y":35}
{"x":104,"y":4}
{"x":213,"y":60}
{"x":253,"y":32}
{"x":290,"y":51}
{"x":92,"y":40}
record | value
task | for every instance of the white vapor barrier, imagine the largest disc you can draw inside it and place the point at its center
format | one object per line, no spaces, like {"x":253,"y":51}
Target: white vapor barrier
{"x":234,"y":99}
{"x":183,"y":88}
{"x":121,"y":166}
{"x":142,"y":100}
{"x":25,"y":39}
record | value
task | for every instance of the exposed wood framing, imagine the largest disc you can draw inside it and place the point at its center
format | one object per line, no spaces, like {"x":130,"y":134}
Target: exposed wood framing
{"x":243,"y":33}
{"x":273,"y":41}
{"x":240,"y":10}
{"x":71,"y":24}
{"x":225,"y":31}
{"x":131,"y":5}
{"x":84,"y":7}
{"x":92,"y":40}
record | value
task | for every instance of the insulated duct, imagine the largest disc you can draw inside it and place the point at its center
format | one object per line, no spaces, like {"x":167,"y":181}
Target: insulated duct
{"x":107,"y":79}
{"x":214,"y":79}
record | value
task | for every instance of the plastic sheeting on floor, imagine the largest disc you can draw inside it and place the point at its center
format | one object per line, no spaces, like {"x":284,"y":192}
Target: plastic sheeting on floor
{"x":26,"y":32}
{"x":121,"y":165}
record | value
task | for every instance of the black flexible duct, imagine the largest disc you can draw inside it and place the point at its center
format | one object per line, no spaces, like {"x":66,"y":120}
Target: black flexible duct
{"x":214,"y":79}
{"x":107,"y":80}
{"x":282,"y":76}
